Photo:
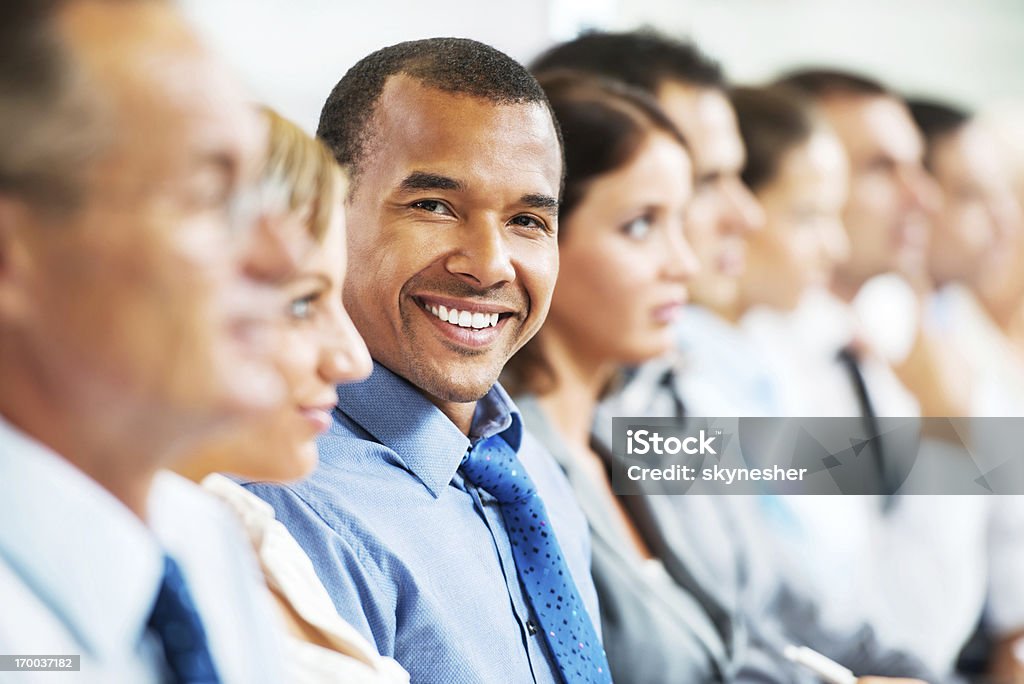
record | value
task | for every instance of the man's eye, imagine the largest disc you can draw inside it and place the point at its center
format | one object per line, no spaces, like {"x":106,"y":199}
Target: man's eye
{"x":527,"y":221}
{"x":434,"y":207}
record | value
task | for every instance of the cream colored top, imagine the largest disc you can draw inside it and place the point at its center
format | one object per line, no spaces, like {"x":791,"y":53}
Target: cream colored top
{"x":290,"y":574}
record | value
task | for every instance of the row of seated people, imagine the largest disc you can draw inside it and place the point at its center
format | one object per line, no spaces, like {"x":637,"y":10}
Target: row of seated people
{"x":204,"y":290}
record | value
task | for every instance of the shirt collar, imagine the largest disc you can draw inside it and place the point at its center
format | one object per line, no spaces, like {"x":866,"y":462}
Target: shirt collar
{"x":400,"y":417}
{"x":79,"y":549}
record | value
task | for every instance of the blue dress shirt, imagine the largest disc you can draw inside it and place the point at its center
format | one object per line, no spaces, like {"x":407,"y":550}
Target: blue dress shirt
{"x":414,"y":556}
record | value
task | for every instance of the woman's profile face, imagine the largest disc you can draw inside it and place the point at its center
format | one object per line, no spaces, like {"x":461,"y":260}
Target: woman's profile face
{"x":624,"y":258}
{"x":319,"y":348}
{"x":804,"y":237}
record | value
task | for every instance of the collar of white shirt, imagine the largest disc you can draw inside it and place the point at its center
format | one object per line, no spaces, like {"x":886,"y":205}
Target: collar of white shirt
{"x":61,"y":528}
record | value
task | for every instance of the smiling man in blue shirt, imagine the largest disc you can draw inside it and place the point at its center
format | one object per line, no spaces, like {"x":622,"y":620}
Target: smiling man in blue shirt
{"x":442,"y":530}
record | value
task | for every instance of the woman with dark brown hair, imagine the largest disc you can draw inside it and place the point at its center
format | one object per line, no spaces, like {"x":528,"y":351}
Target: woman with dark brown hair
{"x":624,"y":266}
{"x":797,"y":169}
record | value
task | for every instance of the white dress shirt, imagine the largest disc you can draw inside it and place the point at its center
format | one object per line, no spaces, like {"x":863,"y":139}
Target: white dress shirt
{"x":79,"y":573}
{"x":801,"y":351}
{"x":996,"y":366}
{"x":921,"y":573}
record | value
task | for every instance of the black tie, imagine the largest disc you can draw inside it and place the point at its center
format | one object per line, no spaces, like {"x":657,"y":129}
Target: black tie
{"x":849,"y":358}
{"x":176,"y":623}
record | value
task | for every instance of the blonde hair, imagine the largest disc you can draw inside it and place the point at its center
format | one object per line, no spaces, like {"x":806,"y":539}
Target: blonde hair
{"x":306,"y":172}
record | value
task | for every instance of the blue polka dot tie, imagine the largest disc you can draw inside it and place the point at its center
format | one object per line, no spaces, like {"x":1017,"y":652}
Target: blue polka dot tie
{"x":492,"y":465}
{"x":176,"y":623}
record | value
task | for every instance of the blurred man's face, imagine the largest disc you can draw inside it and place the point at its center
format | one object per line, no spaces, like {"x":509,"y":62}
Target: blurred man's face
{"x":723,"y":211}
{"x":978,"y":213}
{"x":452,"y":237}
{"x":890,"y":195}
{"x":136,"y":311}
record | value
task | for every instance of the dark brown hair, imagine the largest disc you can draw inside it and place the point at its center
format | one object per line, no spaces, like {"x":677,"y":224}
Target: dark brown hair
{"x":936,"y":121}
{"x":824,"y":83}
{"x":773,"y":120}
{"x":604,"y":124}
{"x":644,"y":58}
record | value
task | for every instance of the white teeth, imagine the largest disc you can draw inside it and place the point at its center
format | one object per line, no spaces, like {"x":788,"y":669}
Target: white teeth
{"x":464,"y":319}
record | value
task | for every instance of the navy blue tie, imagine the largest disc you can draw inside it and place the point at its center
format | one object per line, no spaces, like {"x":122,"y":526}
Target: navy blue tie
{"x":176,"y":623}
{"x":492,"y":465}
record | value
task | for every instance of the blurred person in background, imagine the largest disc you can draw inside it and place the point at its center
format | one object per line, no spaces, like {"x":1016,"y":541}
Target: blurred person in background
{"x":133,"y":324}
{"x":798,"y":171}
{"x":625,"y":264}
{"x":928,"y":562}
{"x":319,"y":349}
{"x":692,"y":91}
{"x":797,"y":167}
{"x":1002,"y":287}
{"x":975,"y":229}
{"x":621,"y":243}
{"x":886,"y":219}
{"x":974,"y":235}
{"x":412,"y":518}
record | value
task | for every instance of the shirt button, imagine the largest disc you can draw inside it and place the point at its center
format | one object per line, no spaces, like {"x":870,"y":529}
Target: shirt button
{"x":531,"y":628}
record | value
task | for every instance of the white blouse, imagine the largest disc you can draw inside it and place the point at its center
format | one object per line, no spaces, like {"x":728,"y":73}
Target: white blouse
{"x":290,"y":574}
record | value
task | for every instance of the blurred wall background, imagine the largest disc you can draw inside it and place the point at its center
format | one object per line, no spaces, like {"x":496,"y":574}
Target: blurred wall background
{"x":292,"y":52}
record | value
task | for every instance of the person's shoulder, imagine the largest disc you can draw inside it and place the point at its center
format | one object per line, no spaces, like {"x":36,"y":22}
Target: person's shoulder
{"x":349,"y":448}
{"x":175,"y":500}
{"x":191,"y":521}
{"x":347,"y":511}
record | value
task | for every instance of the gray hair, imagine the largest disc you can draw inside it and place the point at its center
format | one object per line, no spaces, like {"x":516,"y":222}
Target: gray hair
{"x":48,"y":115}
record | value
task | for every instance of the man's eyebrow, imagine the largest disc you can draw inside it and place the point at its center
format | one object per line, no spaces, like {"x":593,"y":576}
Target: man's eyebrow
{"x":535,"y":201}
{"x":420,"y":180}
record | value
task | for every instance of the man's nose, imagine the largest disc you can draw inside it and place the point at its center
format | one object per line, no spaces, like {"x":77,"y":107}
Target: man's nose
{"x":482,"y":257}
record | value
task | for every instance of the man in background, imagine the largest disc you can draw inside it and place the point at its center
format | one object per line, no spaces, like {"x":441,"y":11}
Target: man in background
{"x":921,"y":544}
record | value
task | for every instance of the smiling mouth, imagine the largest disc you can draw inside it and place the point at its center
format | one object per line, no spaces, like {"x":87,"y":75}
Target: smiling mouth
{"x":463,"y":318}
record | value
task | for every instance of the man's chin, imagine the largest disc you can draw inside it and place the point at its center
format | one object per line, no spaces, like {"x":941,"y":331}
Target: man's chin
{"x":459,"y":393}
{"x":456,"y":383}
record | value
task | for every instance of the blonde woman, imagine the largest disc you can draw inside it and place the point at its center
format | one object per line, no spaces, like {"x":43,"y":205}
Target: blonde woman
{"x":319,"y":348}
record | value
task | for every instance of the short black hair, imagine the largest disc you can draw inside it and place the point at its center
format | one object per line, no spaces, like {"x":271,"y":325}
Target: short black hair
{"x":936,"y":120}
{"x":822,"y":83}
{"x":454,"y":65}
{"x":643,"y":58}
